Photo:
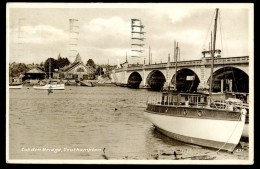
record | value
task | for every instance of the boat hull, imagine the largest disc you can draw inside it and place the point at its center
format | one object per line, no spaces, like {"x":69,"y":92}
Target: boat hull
{"x":15,"y":86}
{"x":245,"y":132}
{"x":88,"y":84}
{"x":215,"y":133}
{"x":50,"y":87}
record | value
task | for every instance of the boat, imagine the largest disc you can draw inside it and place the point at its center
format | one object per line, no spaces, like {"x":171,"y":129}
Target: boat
{"x":196,"y":118}
{"x":86,"y":83}
{"x":193,"y":119}
{"x":239,"y":102}
{"x":51,"y":85}
{"x":15,"y":86}
{"x":15,"y":83}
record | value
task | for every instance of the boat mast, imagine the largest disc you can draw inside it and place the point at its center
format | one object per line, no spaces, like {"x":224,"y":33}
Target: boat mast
{"x":50,"y":69}
{"x":213,"y":52}
{"x":149,"y":55}
{"x":175,"y":58}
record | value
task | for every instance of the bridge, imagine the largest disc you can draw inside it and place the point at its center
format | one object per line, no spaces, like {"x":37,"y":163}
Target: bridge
{"x":231,"y":74}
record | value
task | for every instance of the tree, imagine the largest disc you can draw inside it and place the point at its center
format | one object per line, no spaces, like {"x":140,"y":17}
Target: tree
{"x":17,"y":69}
{"x":61,"y":62}
{"x":41,"y":64}
{"x":91,"y":63}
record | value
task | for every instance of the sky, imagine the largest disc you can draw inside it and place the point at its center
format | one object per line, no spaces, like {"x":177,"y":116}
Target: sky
{"x":37,"y":31}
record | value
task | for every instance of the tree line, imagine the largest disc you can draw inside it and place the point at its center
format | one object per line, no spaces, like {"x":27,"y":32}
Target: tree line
{"x":50,"y":64}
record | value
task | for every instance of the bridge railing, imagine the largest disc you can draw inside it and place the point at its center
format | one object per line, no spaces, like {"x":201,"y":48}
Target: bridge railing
{"x":216,"y":61}
{"x":185,"y":63}
{"x":230,"y":60}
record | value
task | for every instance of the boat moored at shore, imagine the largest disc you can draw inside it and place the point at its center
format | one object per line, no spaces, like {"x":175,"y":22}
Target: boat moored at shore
{"x":50,"y":87}
{"x":16,"y":86}
{"x":189,"y":118}
{"x":204,"y":119}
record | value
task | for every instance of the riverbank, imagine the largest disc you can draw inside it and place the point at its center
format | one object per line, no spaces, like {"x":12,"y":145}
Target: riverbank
{"x":192,"y":152}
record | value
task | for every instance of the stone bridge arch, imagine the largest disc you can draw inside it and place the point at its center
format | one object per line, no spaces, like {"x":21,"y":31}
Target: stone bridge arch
{"x":187,"y":80}
{"x":134,"y":79}
{"x":156,"y":79}
{"x":231,"y":78}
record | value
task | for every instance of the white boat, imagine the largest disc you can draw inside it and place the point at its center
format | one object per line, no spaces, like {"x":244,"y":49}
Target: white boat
{"x":196,"y":118}
{"x":87,"y":83}
{"x":189,"y":118}
{"x":50,"y":87}
{"x":18,"y":86}
{"x":15,"y":83}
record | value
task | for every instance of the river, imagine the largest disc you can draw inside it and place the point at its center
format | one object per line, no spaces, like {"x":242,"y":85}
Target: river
{"x":91,"y":123}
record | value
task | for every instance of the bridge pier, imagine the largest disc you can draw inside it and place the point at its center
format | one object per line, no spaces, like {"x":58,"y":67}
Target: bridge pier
{"x":143,"y":82}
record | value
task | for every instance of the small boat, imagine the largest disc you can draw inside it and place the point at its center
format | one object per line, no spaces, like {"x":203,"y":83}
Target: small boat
{"x":50,"y":87}
{"x":86,"y":83}
{"x":197,"y":118}
{"x":15,"y":86}
{"x":15,"y":83}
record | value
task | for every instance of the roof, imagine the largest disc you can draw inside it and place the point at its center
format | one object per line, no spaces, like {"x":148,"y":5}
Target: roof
{"x":78,"y":59}
{"x":71,"y":66}
{"x":91,"y":68}
{"x":35,"y":70}
{"x":76,"y":64}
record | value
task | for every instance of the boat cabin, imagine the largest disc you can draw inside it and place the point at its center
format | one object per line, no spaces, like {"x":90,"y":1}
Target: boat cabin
{"x":175,"y":98}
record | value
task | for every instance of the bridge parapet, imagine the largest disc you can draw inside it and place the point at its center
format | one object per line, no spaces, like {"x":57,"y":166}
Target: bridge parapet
{"x":151,"y":66}
{"x":221,"y":61}
{"x":206,"y":61}
{"x":230,"y":60}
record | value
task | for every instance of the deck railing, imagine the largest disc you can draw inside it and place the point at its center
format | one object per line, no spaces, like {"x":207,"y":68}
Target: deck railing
{"x":195,"y":100}
{"x":192,"y":100}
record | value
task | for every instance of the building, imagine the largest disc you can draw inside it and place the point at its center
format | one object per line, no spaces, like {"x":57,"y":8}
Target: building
{"x":34,"y":73}
{"x":76,"y":71}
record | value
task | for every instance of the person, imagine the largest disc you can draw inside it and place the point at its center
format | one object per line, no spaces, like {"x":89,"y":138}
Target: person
{"x":243,"y":111}
{"x":230,"y":106}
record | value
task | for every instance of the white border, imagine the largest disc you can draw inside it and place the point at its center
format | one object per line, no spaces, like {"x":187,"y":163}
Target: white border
{"x":250,"y":6}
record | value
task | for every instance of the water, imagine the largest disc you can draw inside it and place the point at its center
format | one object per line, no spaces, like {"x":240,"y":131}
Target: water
{"x":82,"y":123}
